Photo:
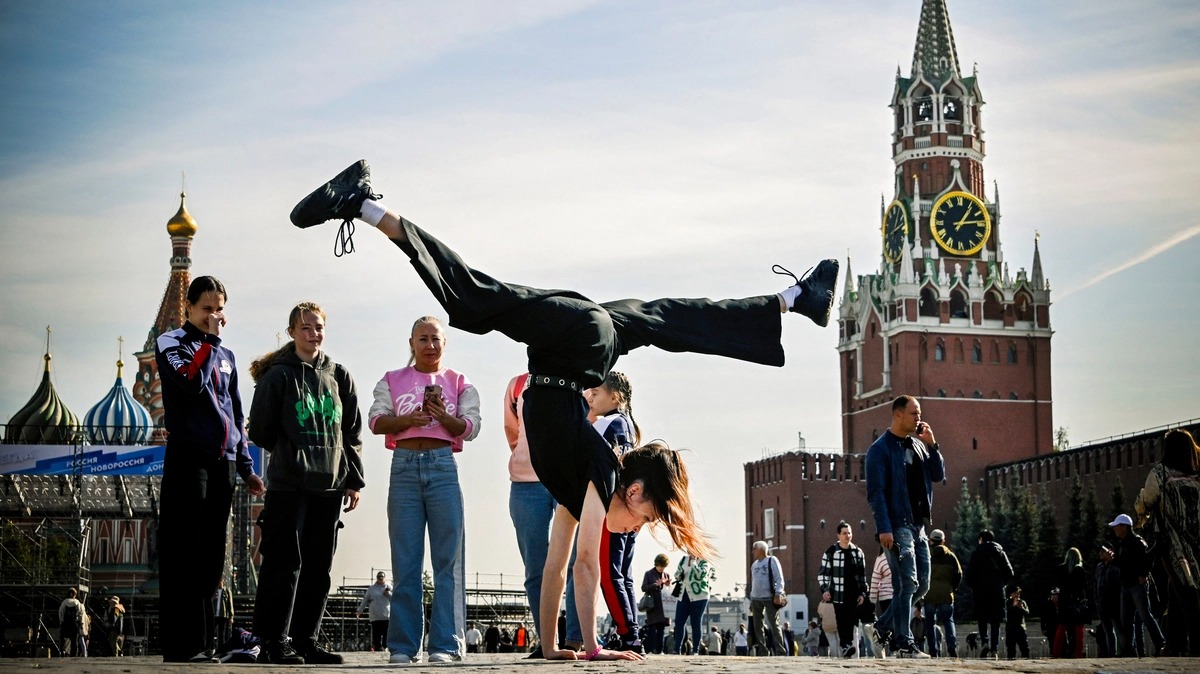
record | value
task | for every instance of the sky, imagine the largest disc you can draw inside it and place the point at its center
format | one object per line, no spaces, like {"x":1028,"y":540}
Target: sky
{"x":621,"y":149}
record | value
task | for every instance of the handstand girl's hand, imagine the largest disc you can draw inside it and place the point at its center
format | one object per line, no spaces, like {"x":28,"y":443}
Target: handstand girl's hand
{"x":560,"y":654}
{"x":606,"y":654}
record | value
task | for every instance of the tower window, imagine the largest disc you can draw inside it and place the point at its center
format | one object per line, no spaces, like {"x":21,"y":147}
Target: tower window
{"x":952,"y":110}
{"x":1012,"y":353}
{"x":939,"y":352}
{"x":958,"y":304}
{"x":928,"y":305}
{"x":923,"y":109}
{"x":976,"y":353}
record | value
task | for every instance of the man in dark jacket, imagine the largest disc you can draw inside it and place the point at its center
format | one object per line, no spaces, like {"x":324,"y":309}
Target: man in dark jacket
{"x":987,"y":573}
{"x":945,"y":573}
{"x":902,"y":465}
{"x":1133,"y":559}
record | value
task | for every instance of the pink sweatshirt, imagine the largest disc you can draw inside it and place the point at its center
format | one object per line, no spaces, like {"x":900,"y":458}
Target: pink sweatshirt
{"x":403,"y":391}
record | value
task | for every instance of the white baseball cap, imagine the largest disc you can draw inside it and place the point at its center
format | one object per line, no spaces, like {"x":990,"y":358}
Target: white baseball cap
{"x":1121,"y":519}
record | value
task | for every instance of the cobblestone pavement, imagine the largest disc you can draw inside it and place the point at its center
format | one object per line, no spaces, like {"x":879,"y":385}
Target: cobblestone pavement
{"x":668,"y":664}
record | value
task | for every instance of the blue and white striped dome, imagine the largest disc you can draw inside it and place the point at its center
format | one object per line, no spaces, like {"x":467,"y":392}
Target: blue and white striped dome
{"x":118,"y":419}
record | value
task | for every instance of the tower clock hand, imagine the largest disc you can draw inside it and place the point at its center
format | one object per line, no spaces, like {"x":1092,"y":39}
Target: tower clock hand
{"x":958,"y":225}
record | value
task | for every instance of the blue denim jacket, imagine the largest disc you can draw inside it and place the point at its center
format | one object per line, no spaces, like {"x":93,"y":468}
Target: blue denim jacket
{"x":887,"y":484}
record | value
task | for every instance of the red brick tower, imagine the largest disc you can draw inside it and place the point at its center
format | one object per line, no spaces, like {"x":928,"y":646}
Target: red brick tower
{"x":942,"y":318}
{"x":146,"y":388}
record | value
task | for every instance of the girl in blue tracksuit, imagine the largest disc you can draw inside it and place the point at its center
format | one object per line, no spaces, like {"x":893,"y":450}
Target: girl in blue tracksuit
{"x":611,"y":404}
{"x":205,"y":447}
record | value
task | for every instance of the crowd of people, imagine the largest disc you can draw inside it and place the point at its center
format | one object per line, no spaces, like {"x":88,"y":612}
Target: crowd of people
{"x":1143,"y":586}
{"x":583,"y":484}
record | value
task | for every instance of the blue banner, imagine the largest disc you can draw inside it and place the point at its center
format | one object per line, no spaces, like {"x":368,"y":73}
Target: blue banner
{"x":94,"y":459}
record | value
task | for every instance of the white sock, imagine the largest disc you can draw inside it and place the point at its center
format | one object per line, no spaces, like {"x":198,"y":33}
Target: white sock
{"x":790,"y":294}
{"x":372,"y":212}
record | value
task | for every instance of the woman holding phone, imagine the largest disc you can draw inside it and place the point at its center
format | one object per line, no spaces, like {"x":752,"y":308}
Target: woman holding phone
{"x":425,"y":412}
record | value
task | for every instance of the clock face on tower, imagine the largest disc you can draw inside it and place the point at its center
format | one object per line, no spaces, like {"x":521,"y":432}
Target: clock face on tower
{"x":895,"y":231}
{"x":960,"y":223}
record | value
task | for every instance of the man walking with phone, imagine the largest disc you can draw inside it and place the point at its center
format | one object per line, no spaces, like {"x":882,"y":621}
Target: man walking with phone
{"x":902,"y":465}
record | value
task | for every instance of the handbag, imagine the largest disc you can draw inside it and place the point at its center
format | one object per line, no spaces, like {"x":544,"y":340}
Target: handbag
{"x":646,"y":602}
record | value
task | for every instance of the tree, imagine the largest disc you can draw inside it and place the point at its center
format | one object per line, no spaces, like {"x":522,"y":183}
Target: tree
{"x":1047,"y":555}
{"x":971,"y":518}
{"x":1091,"y":527}
{"x":1024,"y":526}
{"x":1075,"y":533}
{"x":1118,"y":500}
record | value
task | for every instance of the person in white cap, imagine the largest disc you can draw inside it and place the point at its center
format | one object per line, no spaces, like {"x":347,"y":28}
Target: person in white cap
{"x":1133,"y":559}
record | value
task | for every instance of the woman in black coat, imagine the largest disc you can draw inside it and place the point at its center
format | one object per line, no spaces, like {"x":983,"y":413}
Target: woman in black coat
{"x":656,"y":619}
{"x":1073,"y":607}
{"x":987,"y":574}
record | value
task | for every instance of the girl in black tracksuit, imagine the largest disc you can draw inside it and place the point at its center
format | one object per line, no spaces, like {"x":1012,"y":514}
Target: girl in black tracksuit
{"x":305,"y":414}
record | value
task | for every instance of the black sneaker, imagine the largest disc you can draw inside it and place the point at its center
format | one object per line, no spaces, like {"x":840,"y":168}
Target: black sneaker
{"x":315,"y":655}
{"x":203,"y":656}
{"x":280,"y":653}
{"x":849,"y":652}
{"x":881,"y":640}
{"x":816,"y":300}
{"x":536,"y":654}
{"x":339,"y":199}
{"x":910,"y":651}
{"x":634,"y":646}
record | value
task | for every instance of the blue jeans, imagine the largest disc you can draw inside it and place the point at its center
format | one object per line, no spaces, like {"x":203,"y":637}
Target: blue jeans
{"x":531,"y":508}
{"x":909,"y":560}
{"x":1135,"y":602}
{"x":689,"y":610}
{"x":940,"y":614}
{"x":424,"y":491}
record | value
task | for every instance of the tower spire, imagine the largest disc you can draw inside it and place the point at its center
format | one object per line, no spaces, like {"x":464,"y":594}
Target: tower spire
{"x":935,"y":56}
{"x":1036,"y":279}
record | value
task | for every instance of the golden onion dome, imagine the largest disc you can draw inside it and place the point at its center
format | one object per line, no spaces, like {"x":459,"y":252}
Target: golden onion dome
{"x":182,"y":224}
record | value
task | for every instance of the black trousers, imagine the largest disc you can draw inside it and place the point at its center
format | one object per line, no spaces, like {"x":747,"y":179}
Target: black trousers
{"x":193,"y":530}
{"x":846,"y":614}
{"x":379,"y":630}
{"x":299,"y":537}
{"x":571,"y":336}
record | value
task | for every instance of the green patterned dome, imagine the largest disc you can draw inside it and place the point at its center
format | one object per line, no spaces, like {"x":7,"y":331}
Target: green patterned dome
{"x":44,"y":420}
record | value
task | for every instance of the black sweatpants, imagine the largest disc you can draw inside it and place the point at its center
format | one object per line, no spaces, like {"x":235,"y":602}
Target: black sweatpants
{"x":299,"y":537}
{"x":572,"y":337}
{"x":193,"y":529}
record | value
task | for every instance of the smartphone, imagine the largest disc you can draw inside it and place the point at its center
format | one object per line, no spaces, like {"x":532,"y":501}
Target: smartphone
{"x":433,"y":391}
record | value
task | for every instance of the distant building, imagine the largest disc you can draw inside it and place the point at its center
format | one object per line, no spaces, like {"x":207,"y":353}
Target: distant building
{"x":943,"y":319}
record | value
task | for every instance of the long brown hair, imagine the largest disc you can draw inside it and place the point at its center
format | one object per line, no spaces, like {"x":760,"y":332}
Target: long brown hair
{"x":665,"y":481}
{"x":263,"y":363}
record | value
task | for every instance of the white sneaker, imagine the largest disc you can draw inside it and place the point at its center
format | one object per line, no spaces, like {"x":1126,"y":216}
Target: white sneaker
{"x":402,"y":659}
{"x":444,"y":657}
